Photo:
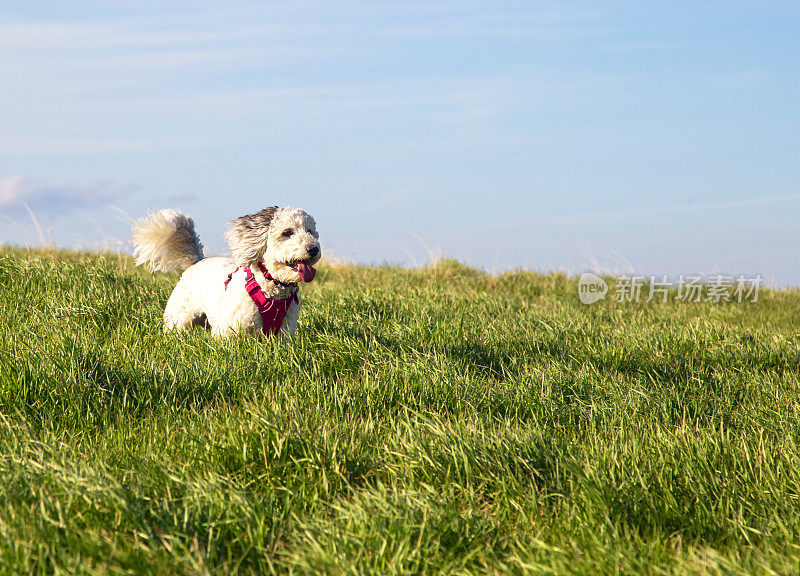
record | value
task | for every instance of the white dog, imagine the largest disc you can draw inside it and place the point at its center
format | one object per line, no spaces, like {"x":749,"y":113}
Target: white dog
{"x":255,"y":291}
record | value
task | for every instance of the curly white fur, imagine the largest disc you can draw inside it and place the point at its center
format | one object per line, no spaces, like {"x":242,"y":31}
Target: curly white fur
{"x":284,"y":239}
{"x":166,"y":241}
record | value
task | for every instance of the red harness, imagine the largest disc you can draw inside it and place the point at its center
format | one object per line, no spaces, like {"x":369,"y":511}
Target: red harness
{"x":273,"y":312}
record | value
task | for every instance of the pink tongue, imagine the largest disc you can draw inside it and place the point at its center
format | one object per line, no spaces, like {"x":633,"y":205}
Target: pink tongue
{"x":306,"y":271}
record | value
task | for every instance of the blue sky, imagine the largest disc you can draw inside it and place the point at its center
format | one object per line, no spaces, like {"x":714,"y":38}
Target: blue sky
{"x":647,"y":137}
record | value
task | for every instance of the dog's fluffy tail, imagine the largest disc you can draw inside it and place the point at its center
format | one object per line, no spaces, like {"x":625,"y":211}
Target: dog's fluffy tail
{"x":166,"y":241}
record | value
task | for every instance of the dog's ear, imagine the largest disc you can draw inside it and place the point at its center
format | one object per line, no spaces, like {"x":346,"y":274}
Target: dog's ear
{"x":247,"y":236}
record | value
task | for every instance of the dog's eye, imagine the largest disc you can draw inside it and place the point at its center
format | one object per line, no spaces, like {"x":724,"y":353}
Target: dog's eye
{"x":288,"y":232}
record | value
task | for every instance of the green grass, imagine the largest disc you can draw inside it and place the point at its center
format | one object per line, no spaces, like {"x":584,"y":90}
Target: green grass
{"x":430,"y":421}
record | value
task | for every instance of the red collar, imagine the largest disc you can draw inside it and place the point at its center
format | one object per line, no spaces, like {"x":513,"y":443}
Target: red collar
{"x":266,"y":274}
{"x":269,"y":277}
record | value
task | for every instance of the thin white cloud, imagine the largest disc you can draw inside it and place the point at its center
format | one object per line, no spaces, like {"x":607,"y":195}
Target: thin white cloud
{"x":19,"y":194}
{"x":99,"y":144}
{"x":12,"y":190}
{"x":611,"y":218}
{"x":676,"y":209}
{"x":142,"y":34}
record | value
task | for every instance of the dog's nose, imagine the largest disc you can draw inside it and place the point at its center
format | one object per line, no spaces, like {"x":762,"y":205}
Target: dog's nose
{"x":313,"y":251}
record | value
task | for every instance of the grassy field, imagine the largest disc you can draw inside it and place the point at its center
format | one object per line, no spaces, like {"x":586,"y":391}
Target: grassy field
{"x":430,"y":421}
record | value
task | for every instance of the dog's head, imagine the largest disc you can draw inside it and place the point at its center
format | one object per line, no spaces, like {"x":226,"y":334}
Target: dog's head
{"x":285,"y":239}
